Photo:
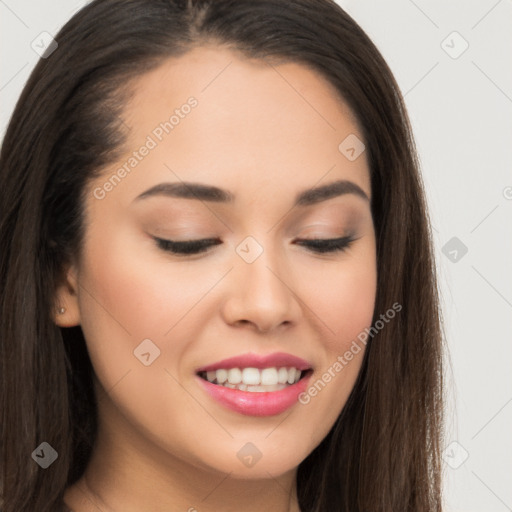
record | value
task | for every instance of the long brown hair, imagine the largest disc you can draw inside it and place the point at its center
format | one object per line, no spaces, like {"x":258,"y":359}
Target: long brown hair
{"x":383,"y":452}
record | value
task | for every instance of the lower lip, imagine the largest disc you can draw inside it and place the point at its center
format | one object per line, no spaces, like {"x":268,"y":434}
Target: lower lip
{"x":264,"y":403}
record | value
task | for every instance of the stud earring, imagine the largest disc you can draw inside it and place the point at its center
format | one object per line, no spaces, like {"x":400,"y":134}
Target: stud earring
{"x":61,"y":311}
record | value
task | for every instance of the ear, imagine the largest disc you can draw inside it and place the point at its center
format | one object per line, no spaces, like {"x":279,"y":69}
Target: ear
{"x":67,"y":311}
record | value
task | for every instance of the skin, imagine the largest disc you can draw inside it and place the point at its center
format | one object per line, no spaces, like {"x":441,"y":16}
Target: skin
{"x":264,"y":133}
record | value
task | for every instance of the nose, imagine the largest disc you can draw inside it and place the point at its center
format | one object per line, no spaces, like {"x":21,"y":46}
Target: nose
{"x":261,"y":295}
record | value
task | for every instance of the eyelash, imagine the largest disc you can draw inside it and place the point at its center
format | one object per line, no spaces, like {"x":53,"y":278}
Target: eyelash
{"x":316,"y":245}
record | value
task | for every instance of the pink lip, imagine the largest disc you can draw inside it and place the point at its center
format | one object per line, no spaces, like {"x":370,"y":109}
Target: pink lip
{"x":267,"y":403}
{"x":277,"y":359}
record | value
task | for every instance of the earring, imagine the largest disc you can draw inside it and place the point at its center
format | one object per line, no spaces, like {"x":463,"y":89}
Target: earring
{"x":61,"y":311}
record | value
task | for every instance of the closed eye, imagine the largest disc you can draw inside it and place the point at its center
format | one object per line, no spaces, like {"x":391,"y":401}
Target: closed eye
{"x":317,"y":245}
{"x":322,"y":245}
{"x":188,"y":246}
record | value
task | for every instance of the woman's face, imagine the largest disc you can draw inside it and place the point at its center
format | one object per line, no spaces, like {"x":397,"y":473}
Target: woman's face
{"x":221,"y":148}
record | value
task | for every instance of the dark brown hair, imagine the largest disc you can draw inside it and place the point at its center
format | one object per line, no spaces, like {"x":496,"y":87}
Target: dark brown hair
{"x":383,"y":453}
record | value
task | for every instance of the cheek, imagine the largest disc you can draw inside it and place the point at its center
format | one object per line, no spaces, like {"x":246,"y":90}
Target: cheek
{"x":345,"y":306}
{"x":343,"y":300}
{"x":126,"y":298}
{"x":342,"y":296}
{"x":134,"y":294}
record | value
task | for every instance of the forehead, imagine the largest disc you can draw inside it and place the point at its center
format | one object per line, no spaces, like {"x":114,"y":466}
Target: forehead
{"x":253,"y":122}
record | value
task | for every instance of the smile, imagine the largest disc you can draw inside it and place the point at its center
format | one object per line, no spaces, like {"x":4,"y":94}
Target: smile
{"x":254,"y":380}
{"x":256,"y":385}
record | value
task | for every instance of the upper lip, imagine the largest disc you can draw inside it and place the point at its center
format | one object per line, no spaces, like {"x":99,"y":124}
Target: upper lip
{"x":249,"y":360}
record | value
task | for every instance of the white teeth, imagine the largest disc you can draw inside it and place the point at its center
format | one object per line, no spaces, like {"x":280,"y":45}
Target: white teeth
{"x":282,"y":376}
{"x":262,"y":389}
{"x":234,"y":376}
{"x":251,"y":376}
{"x":222,"y":376}
{"x":254,"y":379}
{"x":269,"y":376}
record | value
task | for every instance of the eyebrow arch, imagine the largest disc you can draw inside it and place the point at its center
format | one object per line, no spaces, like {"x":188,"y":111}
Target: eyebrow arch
{"x":189,"y":190}
{"x":328,"y":191}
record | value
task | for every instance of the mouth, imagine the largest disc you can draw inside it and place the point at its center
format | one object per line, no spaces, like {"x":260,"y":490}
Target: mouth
{"x":256,"y":385}
{"x":255,"y":380}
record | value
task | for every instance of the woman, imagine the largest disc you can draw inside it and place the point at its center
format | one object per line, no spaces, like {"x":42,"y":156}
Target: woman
{"x":218,"y":288}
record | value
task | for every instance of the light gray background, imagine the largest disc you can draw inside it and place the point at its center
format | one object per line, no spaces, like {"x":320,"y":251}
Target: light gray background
{"x":461,"y":112}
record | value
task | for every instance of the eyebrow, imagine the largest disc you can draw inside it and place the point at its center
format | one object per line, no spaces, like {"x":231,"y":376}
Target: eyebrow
{"x":203,"y":192}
